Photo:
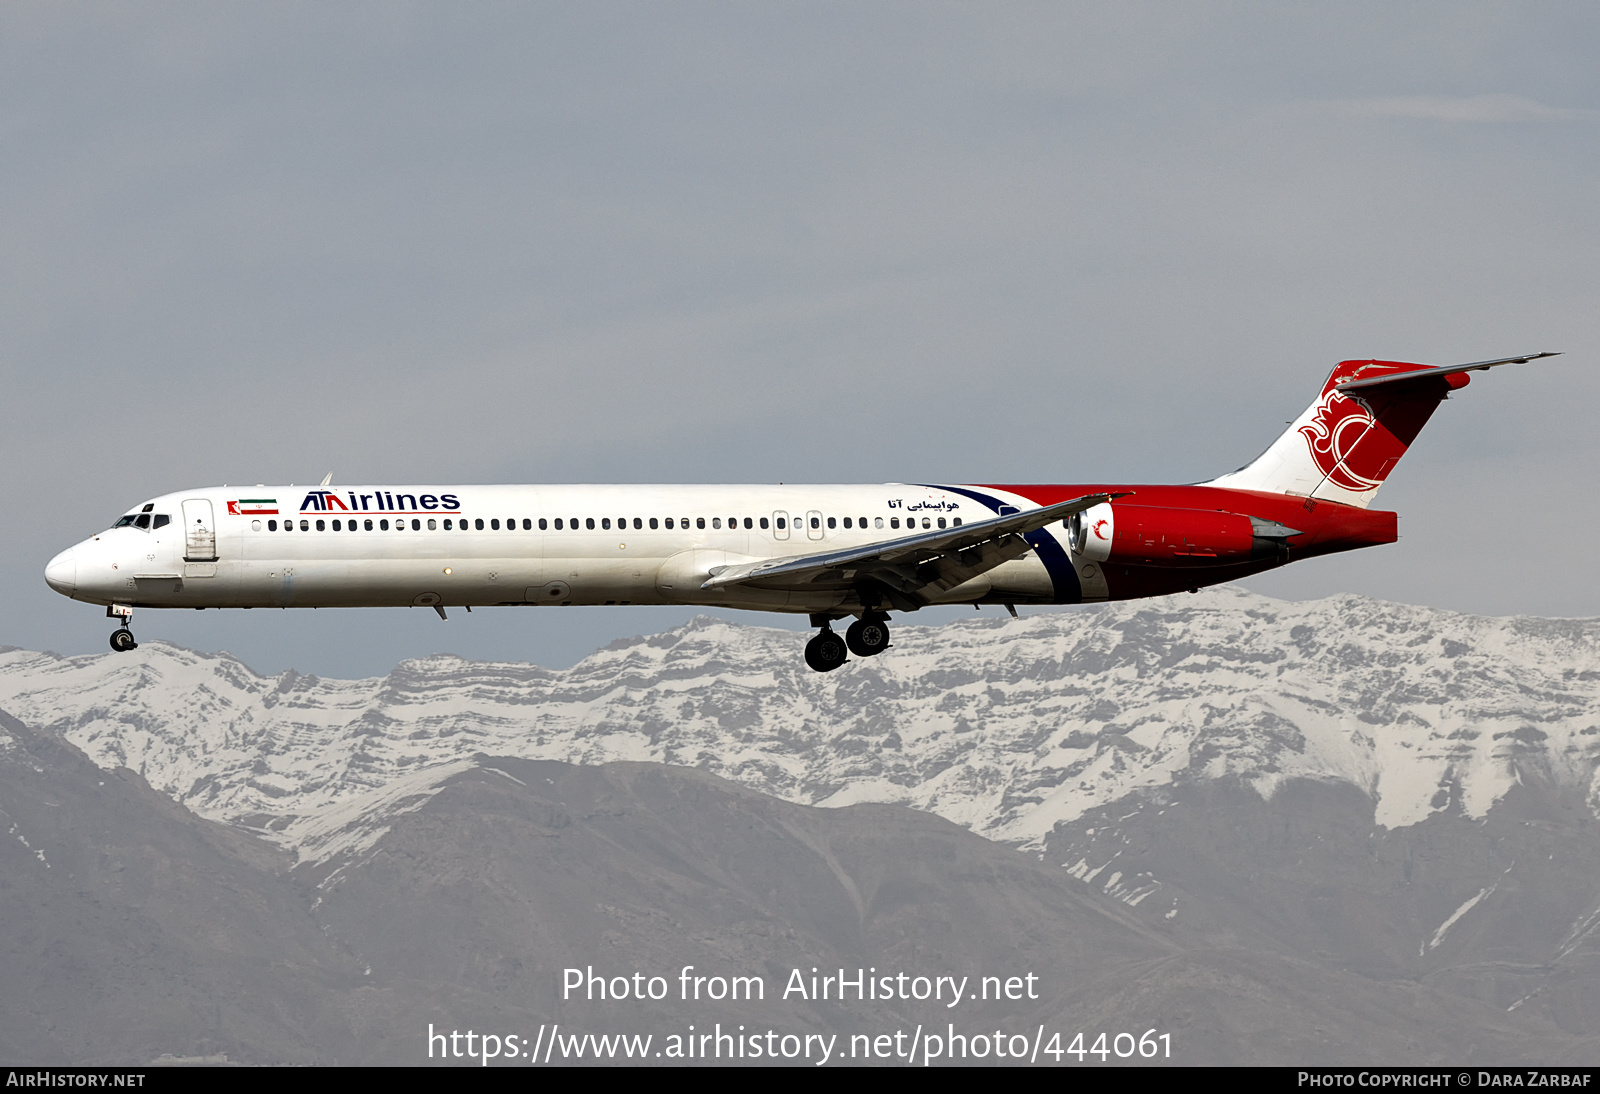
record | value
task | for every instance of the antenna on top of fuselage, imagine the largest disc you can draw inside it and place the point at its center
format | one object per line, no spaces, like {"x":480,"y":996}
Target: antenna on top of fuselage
{"x":326,"y":479}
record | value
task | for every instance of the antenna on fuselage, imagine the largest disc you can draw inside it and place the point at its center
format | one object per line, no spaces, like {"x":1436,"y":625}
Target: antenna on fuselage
{"x":326,"y":479}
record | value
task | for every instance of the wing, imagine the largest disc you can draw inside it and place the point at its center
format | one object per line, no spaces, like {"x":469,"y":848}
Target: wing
{"x":911,"y":569}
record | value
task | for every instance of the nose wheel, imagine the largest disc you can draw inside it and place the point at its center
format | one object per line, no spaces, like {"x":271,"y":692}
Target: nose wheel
{"x":826,"y":651}
{"x":122,"y":638}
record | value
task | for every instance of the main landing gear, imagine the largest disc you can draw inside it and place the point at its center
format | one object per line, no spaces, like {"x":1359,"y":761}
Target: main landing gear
{"x":122,"y":638}
{"x":826,"y":651}
{"x":866,"y":637}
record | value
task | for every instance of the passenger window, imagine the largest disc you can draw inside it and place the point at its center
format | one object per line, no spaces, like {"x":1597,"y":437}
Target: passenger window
{"x":847,"y":522}
{"x":669,"y":524}
{"x":322,"y":526}
{"x":416,"y":524}
{"x":544,"y":525}
{"x":639,"y":524}
{"x":816,"y":522}
{"x":894,"y":522}
{"x":432,"y":524}
{"x":588,"y":523}
{"x":336,"y":527}
{"x":941,"y":522}
{"x":782,"y":524}
{"x":652,"y":524}
{"x":605,"y":523}
{"x":699,"y":522}
{"x":763,"y":522}
{"x":272,"y":526}
{"x":558,"y":524}
{"x":958,"y":522}
{"x":527,"y":525}
{"x":494,"y":524}
{"x":383,"y":526}
{"x":748,"y":523}
{"x":162,"y":520}
{"x":305,"y":526}
{"x":926,"y":523}
{"x":832,"y":523}
{"x":367,"y":524}
{"x":478,"y":524}
{"x":860,"y":522}
{"x":143,"y":521}
{"x":351,"y":525}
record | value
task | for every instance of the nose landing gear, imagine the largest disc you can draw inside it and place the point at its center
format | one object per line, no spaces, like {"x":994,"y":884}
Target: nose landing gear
{"x":122,"y":638}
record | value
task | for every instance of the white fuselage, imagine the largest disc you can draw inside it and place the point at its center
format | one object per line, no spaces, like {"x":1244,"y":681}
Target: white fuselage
{"x":294,"y":547}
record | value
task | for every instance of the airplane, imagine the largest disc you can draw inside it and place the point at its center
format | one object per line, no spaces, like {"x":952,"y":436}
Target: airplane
{"x":828,"y":552}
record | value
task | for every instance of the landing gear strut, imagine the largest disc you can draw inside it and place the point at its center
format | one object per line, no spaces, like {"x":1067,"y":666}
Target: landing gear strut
{"x":122,"y":638}
{"x":868,"y":636}
{"x":826,"y":651}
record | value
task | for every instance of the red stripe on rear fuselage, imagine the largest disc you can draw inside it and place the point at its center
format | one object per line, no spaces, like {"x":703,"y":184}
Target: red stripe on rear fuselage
{"x":1325,"y":527}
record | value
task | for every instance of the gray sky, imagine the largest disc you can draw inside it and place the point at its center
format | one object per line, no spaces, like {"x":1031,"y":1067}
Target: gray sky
{"x":853,"y":242}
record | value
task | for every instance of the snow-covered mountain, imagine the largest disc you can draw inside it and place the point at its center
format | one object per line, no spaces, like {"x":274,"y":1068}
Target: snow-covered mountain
{"x":1008,"y":727}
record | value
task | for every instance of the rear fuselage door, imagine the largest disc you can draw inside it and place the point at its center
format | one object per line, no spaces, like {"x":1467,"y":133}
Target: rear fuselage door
{"x":780,"y":525}
{"x":814,"y":524}
{"x":199,"y":531}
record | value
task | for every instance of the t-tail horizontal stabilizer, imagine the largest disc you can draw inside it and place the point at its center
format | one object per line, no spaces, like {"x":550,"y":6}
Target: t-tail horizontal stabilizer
{"x":1345,"y":444}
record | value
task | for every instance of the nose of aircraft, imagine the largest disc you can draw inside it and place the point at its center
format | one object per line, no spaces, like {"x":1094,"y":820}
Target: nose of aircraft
{"x":62,"y":572}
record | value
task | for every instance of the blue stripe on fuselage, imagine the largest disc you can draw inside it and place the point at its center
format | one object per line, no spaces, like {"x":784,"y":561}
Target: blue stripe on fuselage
{"x":1063,"y":575}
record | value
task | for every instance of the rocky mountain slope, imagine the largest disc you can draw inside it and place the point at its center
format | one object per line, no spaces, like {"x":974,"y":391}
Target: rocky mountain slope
{"x":1392,"y":797}
{"x":1006,"y":727}
{"x":137,"y":931}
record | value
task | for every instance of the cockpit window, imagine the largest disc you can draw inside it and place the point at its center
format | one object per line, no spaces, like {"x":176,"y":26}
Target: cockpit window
{"x":143,"y":521}
{"x":162,"y":520}
{"x":125,"y":521}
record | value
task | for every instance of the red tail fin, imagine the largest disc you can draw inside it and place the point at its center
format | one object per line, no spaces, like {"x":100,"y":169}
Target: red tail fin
{"x":1344,"y":445}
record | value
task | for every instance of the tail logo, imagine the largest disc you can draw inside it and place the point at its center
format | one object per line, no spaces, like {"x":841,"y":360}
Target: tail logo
{"x":1334,"y":436}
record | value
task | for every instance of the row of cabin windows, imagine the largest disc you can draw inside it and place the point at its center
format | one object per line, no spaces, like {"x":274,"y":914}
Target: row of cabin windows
{"x":588,"y":523}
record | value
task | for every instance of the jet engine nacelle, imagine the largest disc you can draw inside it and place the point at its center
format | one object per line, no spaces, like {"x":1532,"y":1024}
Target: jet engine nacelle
{"x":1149,"y":535}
